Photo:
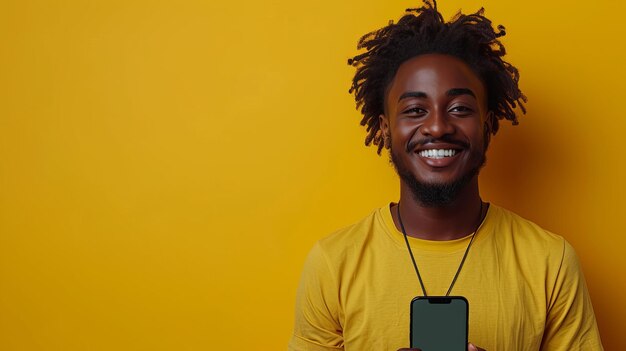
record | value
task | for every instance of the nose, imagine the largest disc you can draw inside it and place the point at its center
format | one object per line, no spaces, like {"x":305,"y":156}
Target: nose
{"x":437,"y":124}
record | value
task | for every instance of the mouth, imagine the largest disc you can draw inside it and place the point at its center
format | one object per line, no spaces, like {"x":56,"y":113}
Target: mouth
{"x":438,"y":153}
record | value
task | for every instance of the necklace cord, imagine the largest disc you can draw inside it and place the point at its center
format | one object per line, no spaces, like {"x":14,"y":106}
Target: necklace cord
{"x":458,"y":271}
{"x":419,"y":277}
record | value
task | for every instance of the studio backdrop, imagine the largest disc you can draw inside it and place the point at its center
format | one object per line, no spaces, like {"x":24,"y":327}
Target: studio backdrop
{"x":165,"y":166}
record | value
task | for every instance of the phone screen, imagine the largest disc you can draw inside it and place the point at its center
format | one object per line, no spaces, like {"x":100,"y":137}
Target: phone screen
{"x":439,"y":323}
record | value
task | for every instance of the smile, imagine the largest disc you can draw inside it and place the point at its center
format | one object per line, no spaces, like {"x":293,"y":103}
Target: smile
{"x":437,"y":153}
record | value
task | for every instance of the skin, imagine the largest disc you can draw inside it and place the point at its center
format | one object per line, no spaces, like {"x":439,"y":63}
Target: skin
{"x":438,"y":98}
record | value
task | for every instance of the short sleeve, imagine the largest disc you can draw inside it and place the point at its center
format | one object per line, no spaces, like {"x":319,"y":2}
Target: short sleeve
{"x":317,"y":325}
{"x":570,"y":322}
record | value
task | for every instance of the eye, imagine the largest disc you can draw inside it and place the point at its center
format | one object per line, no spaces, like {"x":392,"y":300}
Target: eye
{"x":414,"y":111}
{"x":461,"y":110}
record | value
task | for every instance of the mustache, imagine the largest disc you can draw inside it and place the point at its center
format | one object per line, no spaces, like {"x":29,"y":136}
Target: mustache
{"x":444,"y":139}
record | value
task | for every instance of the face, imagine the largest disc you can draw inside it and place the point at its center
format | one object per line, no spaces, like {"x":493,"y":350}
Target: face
{"x":435,"y":115}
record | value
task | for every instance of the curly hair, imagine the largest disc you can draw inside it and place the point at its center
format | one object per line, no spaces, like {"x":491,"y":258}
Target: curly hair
{"x":470,"y":38}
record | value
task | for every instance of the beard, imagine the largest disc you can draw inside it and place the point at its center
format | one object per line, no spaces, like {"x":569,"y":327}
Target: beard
{"x":435,"y":194}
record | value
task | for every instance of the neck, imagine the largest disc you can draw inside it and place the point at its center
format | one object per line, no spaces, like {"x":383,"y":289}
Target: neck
{"x":452,"y":221}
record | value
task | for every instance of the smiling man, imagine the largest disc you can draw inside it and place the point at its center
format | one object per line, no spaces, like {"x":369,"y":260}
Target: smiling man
{"x":433,"y":93}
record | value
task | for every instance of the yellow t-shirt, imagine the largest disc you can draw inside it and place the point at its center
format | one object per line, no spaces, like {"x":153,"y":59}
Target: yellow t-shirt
{"x":524,"y":285}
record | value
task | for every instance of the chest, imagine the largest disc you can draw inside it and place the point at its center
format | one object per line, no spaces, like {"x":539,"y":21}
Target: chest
{"x":507,"y":306}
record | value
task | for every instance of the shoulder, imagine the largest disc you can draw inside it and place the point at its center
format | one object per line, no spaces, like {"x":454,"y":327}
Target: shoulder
{"x":524,"y":244}
{"x":547,"y":261}
{"x":339,"y":252}
{"x":353,"y":239}
{"x":525,"y":234}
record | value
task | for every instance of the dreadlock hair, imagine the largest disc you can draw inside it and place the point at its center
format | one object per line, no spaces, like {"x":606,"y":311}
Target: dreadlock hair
{"x":470,"y":38}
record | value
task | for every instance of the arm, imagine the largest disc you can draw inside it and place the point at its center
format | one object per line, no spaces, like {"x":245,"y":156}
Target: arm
{"x":317,"y":323}
{"x":570,"y":321}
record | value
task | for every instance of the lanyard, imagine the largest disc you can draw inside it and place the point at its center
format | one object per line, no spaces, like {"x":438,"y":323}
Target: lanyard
{"x":419,"y":277}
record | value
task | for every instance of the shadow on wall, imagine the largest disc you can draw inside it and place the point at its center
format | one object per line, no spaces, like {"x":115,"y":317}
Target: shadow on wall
{"x":536,"y":166}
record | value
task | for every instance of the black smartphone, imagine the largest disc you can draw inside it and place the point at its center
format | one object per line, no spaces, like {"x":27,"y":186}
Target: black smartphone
{"x":439,"y":323}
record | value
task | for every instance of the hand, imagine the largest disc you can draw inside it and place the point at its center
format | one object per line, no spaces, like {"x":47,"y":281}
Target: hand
{"x":470,"y":347}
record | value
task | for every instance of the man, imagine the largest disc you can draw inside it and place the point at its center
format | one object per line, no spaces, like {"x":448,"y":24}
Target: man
{"x":433,"y":93}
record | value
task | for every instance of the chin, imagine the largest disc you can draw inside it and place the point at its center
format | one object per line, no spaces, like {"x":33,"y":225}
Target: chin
{"x":436,"y":194}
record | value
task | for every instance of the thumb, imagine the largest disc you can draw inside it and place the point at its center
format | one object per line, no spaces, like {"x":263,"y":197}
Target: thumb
{"x":472,"y":347}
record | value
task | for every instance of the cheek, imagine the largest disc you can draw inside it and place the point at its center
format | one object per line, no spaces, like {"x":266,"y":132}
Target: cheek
{"x":405,"y":130}
{"x":474,"y":132}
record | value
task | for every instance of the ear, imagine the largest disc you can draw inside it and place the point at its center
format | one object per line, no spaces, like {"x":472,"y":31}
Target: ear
{"x":489,"y":121}
{"x":383,"y":122}
{"x":488,"y":128}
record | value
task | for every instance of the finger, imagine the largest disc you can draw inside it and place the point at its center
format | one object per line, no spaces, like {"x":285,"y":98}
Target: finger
{"x":472,"y":347}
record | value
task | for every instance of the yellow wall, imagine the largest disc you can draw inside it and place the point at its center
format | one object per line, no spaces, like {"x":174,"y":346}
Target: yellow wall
{"x":166,"y":165}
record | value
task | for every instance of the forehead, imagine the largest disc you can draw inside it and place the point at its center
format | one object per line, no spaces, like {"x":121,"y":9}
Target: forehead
{"x":434,"y":74}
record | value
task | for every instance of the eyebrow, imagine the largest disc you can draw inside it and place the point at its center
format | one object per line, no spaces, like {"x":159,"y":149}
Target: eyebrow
{"x":460,"y":91}
{"x":415,"y":94}
{"x":451,"y":92}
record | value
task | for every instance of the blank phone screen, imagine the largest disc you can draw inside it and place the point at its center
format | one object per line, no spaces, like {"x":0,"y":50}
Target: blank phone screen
{"x":439,"y":323}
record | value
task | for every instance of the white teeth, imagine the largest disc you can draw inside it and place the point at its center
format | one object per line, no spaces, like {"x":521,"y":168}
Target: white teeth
{"x":438,"y":153}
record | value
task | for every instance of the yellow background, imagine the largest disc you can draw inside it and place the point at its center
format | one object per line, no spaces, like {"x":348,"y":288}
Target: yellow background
{"x":166,"y":165}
